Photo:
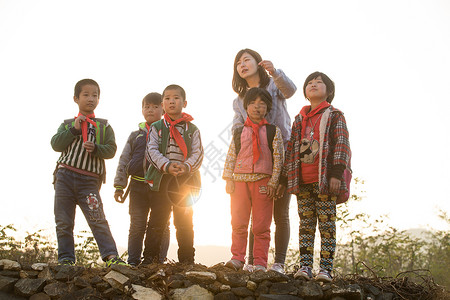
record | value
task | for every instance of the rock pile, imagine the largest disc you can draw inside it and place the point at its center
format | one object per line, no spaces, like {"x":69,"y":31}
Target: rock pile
{"x":169,"y":281}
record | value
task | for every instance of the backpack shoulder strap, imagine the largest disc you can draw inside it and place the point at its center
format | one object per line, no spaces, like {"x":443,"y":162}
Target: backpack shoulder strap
{"x":237,"y":139}
{"x":270,"y":131}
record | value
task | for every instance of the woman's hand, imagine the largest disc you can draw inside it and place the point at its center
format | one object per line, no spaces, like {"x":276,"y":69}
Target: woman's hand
{"x":268,"y":66}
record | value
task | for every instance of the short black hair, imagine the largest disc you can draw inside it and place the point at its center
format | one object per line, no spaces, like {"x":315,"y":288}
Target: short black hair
{"x":83,"y":82}
{"x":152,"y":98}
{"x":256,"y":92}
{"x":326,"y":80}
{"x":175,"y":87}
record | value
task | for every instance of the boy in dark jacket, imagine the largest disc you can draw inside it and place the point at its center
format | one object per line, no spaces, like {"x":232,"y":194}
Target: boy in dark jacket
{"x":133,"y":163}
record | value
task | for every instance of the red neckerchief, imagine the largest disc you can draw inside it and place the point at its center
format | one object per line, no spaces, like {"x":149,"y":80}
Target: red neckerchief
{"x":306,"y":114}
{"x":148,"y":130}
{"x":84,"y":125}
{"x":175,"y":134}
{"x":255,"y":136}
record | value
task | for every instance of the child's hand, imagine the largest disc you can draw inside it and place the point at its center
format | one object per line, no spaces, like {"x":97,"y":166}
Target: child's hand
{"x":280,"y":191}
{"x":268,"y":65}
{"x":78,"y":121}
{"x":118,"y":196}
{"x":183,"y":169}
{"x":270,"y":192}
{"x":335,"y":185}
{"x":89,"y":146}
{"x":229,"y":188}
{"x":174,"y":169}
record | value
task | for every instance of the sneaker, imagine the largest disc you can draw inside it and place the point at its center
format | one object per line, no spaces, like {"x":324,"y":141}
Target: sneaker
{"x":324,"y":276}
{"x":248,"y":268}
{"x":115,"y":261}
{"x":66,"y":262}
{"x":234,"y":264}
{"x":304,"y":272}
{"x":278,"y":267}
{"x":259,"y":268}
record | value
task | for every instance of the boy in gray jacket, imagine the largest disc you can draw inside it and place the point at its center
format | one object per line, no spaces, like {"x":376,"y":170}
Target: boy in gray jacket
{"x":133,"y":164}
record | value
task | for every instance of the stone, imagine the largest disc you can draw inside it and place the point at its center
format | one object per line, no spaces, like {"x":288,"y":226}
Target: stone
{"x":225,"y":296}
{"x":56,"y":289}
{"x":143,"y":293}
{"x":278,"y":297}
{"x":269,"y":275}
{"x":28,"y":274}
{"x":233,"y":279}
{"x":116,"y":280}
{"x":6,"y":296}
{"x":127,"y":271}
{"x":95,"y":280}
{"x":252,"y":286}
{"x":39,"y":266}
{"x":372,"y":289}
{"x":66,"y":273}
{"x":86,"y":293}
{"x":27,"y":287}
{"x":8,"y":273}
{"x":310,"y":290}
{"x":10,"y":265}
{"x":350,"y":292}
{"x":81,"y":282}
{"x":263,"y":288}
{"x":7,"y":283}
{"x":102,"y":286}
{"x":242,"y":292}
{"x":283,"y":288}
{"x":176,"y":284}
{"x":40,"y":296}
{"x":46,"y":274}
{"x":201,"y":277}
{"x":192,"y":292}
{"x":225,"y":288}
{"x":386,"y":296}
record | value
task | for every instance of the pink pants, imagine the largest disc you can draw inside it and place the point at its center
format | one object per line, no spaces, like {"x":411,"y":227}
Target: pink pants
{"x":249,"y":198}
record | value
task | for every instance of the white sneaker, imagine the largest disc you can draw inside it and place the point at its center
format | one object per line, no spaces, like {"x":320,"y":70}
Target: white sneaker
{"x":259,"y":268}
{"x":248,"y":268}
{"x":278,"y":267}
{"x":324,"y":276}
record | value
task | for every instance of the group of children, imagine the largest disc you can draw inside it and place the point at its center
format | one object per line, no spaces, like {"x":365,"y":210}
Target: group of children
{"x":267,"y":161}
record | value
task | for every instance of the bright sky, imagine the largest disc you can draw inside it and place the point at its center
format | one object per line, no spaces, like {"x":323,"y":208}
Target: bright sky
{"x":389,"y":60}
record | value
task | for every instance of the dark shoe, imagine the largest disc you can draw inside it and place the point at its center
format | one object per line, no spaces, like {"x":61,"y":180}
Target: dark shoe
{"x":115,"y":261}
{"x":234,"y":264}
{"x":66,"y":262}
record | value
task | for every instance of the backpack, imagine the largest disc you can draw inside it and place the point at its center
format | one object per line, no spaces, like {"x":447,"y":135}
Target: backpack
{"x":347,"y":178}
{"x":270,"y":131}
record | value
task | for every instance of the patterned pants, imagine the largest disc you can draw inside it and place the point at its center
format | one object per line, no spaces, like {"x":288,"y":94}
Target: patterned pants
{"x":313,"y":207}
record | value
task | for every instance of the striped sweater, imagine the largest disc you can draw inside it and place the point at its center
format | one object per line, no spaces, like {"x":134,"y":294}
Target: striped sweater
{"x":69,"y":141}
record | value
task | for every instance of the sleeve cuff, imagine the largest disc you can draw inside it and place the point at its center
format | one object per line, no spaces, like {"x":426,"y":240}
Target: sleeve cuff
{"x":336,"y":171}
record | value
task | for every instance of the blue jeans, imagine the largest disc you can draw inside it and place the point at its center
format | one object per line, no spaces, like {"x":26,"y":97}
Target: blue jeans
{"x":140,"y":200}
{"x":72,"y":189}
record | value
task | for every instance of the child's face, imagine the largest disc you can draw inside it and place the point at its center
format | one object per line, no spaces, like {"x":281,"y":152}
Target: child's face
{"x":256,"y":110}
{"x":152,"y":112}
{"x":173,"y":103}
{"x":246,"y":66}
{"x":87,"y":100}
{"x":316,"y":89}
